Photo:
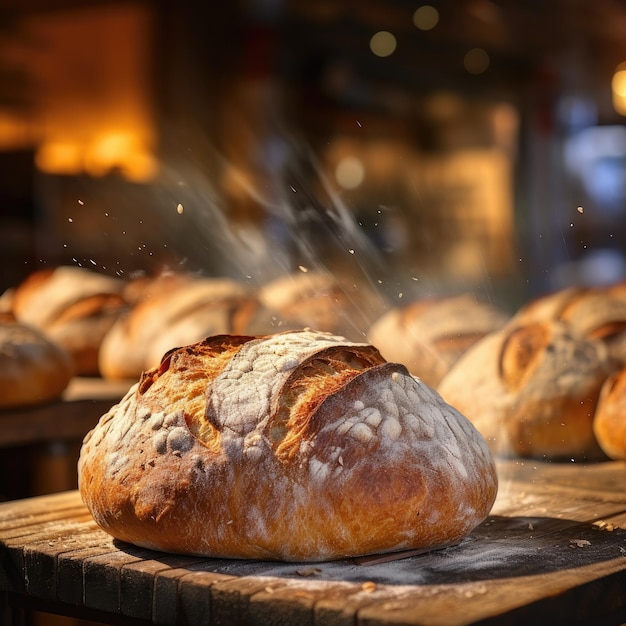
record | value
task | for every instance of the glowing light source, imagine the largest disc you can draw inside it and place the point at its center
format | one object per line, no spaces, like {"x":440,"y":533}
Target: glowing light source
{"x":59,"y":158}
{"x":618,"y":89}
{"x":383,"y":43}
{"x":349,"y":172}
{"x":93,"y":110}
{"x":119,"y":151}
{"x":106,"y":152}
{"x":426,"y":17}
{"x":476,"y":61}
{"x":101,"y":155}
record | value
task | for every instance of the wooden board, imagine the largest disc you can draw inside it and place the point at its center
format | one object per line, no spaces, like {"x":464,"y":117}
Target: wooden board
{"x":553,"y":549}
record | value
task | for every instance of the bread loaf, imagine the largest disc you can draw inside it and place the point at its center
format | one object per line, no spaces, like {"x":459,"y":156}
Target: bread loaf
{"x":428,"y":335}
{"x":609,"y":423}
{"x":33,"y":369}
{"x":531,"y":390}
{"x":547,"y":307}
{"x":176,"y":310}
{"x":591,"y":312}
{"x":300,"y":446}
{"x":600,"y":313}
{"x":6,"y":305}
{"x":328,"y":303}
{"x":74,"y":307}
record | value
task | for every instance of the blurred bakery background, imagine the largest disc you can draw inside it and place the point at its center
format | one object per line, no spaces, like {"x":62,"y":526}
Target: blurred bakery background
{"x":474,"y":143}
{"x":424,"y":148}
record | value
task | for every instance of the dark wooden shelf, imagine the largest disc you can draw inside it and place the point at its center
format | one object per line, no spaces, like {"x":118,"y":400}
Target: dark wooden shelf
{"x":69,"y":418}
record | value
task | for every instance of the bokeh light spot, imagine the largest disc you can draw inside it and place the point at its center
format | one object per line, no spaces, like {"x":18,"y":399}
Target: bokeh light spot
{"x":383,"y":43}
{"x":426,"y":17}
{"x":349,"y":173}
{"x":476,"y":61}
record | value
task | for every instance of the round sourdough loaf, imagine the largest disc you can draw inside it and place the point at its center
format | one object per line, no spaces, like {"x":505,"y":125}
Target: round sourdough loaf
{"x":531,"y":390}
{"x":299,"y":446}
{"x":33,"y":369}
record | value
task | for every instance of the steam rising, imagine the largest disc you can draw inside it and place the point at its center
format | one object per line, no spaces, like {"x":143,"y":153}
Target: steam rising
{"x":297,"y":221}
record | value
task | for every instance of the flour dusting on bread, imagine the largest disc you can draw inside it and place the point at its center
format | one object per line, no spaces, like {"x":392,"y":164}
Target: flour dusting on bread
{"x":295,"y":446}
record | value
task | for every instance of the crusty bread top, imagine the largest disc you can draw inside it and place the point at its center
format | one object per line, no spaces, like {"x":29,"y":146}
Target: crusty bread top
{"x":531,"y":390}
{"x":595,"y":313}
{"x":173,"y":311}
{"x":600,"y":313}
{"x":33,"y":369}
{"x":51,"y":297}
{"x":254,"y":372}
{"x":548,"y":306}
{"x":429,"y":334}
{"x":609,"y":422}
{"x":296,"y":446}
{"x":319,"y":300}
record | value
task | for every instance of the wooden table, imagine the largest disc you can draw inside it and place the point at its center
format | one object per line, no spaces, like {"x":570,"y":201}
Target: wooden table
{"x":553,"y":551}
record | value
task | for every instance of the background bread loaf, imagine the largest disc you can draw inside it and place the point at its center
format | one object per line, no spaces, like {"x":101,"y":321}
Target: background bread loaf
{"x":591,"y":312}
{"x":176,"y":310}
{"x":72,"y":306}
{"x":295,"y":446}
{"x":329,"y":303}
{"x":428,"y":335}
{"x":33,"y":369}
{"x":547,"y":307}
{"x":531,"y":390}
{"x":609,"y":422}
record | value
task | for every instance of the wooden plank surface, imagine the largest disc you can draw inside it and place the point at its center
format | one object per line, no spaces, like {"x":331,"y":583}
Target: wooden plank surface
{"x":554,"y":547}
{"x":69,"y":418}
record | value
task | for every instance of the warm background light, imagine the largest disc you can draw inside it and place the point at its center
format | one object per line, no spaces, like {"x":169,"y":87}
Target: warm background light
{"x":119,"y":151}
{"x":476,"y":61}
{"x":383,"y":44}
{"x":59,"y":157}
{"x":349,"y":172}
{"x":618,"y":89}
{"x":426,"y":17}
{"x":94,"y":112}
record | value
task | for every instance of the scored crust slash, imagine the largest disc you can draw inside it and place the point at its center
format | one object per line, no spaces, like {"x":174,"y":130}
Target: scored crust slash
{"x":298,"y":446}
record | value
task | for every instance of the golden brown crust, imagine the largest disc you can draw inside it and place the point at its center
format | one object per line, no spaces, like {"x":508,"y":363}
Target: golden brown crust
{"x":33,"y":369}
{"x":532,"y":390}
{"x":600,"y":313}
{"x":610,"y":416}
{"x":295,"y":446}
{"x":521,"y":353}
{"x":72,"y":306}
{"x":324,"y":302}
{"x":547,"y":307}
{"x":429,"y":335}
{"x":176,"y":311}
{"x":597,"y":313}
